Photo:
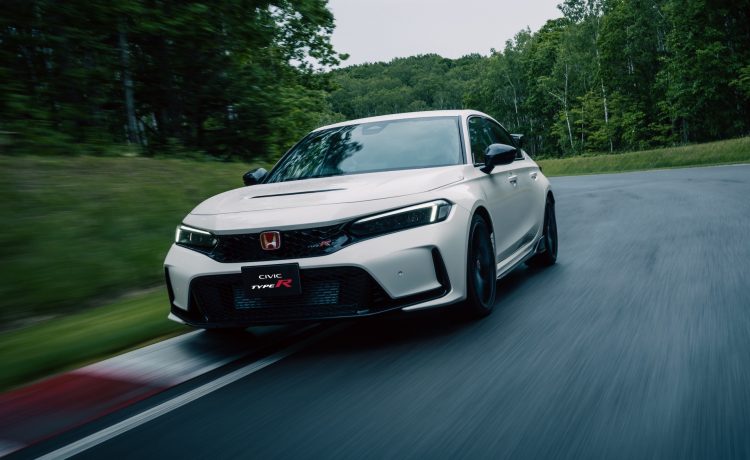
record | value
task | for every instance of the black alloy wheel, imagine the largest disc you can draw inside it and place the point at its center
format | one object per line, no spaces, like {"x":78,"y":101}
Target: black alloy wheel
{"x":481,"y":279}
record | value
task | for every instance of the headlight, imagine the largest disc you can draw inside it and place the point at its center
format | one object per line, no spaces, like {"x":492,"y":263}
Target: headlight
{"x":194,"y":238}
{"x":401,"y":219}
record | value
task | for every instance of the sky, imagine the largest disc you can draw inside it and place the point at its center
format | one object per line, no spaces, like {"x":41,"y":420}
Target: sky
{"x":380,"y":30}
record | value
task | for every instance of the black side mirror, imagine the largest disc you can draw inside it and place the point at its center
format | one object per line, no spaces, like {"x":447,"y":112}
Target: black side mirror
{"x":254,"y":176}
{"x":498,"y":154}
{"x":519,"y":139}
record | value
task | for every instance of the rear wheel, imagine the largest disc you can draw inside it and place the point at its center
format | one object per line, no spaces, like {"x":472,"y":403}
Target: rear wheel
{"x":480,"y":269}
{"x":547,"y":252}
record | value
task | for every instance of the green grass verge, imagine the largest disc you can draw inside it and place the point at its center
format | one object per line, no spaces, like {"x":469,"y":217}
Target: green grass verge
{"x":67,"y":342}
{"x":77,"y":232}
{"x":713,"y":153}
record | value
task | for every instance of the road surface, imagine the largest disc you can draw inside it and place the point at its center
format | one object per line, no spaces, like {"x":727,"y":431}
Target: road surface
{"x":635,"y":345}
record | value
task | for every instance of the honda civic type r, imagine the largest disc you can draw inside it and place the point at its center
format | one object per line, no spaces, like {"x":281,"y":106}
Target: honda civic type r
{"x":399,"y":212}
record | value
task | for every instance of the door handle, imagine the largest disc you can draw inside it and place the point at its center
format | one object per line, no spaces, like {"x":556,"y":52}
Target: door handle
{"x":533,"y":175}
{"x":513,"y":179}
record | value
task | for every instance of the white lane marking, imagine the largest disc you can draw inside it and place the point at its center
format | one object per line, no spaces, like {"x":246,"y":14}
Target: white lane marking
{"x":168,"y":406}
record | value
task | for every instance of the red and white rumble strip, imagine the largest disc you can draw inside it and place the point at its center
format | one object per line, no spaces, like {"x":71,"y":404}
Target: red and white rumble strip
{"x":51,"y":406}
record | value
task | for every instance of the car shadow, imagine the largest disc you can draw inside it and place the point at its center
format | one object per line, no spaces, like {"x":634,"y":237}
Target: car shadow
{"x":222,"y":343}
{"x":403,"y":328}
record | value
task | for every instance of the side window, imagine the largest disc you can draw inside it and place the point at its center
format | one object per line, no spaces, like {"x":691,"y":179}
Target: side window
{"x":479,"y":139}
{"x":501,"y":136}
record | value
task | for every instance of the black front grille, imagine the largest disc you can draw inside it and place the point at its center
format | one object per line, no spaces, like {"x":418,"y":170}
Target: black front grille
{"x":326,"y":293}
{"x":295,"y":244}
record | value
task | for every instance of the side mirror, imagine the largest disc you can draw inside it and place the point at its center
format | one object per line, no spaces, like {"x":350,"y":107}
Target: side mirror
{"x":254,"y":176}
{"x":496,"y":155}
{"x":519,"y":139}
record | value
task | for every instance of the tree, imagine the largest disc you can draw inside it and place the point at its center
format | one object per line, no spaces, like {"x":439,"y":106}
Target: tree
{"x":162,"y":73}
{"x":245,"y":79}
{"x":707,"y":50}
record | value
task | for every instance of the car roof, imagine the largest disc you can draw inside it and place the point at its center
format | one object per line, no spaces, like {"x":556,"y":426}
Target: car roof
{"x":404,"y":116}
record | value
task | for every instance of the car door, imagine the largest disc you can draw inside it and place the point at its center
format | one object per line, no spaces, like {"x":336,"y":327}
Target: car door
{"x":529,"y":202}
{"x":500,"y":189}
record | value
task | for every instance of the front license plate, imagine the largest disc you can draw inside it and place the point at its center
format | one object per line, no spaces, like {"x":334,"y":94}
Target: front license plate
{"x":272,"y":280}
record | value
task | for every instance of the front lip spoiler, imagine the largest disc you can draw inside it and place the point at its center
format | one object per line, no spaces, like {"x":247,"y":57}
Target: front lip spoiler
{"x":183,"y":316}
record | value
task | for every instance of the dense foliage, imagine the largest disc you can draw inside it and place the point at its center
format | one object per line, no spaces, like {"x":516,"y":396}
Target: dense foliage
{"x":246,"y":78}
{"x":231,"y":77}
{"x":610,"y":75}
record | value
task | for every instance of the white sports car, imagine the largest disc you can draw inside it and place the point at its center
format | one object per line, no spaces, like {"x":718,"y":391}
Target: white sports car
{"x":399,"y":212}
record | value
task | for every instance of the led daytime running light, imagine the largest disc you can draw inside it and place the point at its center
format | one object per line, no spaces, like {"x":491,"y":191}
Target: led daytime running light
{"x":194,"y":237}
{"x":402,"y":219}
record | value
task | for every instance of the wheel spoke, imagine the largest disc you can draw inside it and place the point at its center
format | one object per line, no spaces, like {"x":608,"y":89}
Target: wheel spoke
{"x":481,"y":268}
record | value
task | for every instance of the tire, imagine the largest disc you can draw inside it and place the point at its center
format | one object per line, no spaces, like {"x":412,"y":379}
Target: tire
{"x":481,"y":278}
{"x":547,"y":252}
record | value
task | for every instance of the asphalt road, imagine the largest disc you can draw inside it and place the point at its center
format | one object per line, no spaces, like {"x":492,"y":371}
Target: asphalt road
{"x":635,"y":345}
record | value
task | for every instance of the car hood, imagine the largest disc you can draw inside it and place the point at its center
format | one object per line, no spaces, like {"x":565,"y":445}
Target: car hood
{"x":330,"y":190}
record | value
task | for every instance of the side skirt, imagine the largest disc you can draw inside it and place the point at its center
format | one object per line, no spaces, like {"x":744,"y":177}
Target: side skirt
{"x":518,"y":257}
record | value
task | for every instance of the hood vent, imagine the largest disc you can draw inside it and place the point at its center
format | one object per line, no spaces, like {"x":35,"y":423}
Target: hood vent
{"x":299,"y":193}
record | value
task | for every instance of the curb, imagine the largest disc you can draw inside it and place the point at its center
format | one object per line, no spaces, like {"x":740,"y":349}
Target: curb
{"x":52,"y":406}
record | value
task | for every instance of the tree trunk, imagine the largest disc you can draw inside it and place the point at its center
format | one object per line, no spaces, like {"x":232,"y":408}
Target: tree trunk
{"x":515,"y":100}
{"x":565,"y":105}
{"x":127,"y":83}
{"x":604,"y":91}
{"x":606,"y":117}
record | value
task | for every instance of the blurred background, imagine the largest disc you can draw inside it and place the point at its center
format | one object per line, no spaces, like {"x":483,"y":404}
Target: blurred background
{"x":116,"y":118}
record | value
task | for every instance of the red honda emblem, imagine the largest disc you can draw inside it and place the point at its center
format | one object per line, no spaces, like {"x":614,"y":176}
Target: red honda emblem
{"x":270,"y":241}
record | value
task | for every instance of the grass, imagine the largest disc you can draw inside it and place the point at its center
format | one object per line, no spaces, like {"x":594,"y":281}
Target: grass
{"x":80,"y":231}
{"x":713,"y":153}
{"x":67,"y":342}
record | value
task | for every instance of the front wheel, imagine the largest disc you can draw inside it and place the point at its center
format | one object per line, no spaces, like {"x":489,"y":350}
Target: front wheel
{"x":480,"y":270}
{"x":547,"y":252}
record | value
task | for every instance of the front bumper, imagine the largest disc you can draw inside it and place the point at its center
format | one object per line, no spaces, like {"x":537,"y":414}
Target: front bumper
{"x":413,"y":269}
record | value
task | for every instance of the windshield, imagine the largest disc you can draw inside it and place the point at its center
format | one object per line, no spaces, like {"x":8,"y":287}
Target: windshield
{"x":369,"y":147}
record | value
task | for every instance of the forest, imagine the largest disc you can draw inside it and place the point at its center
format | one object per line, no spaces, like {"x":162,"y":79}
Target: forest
{"x":244,"y":79}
